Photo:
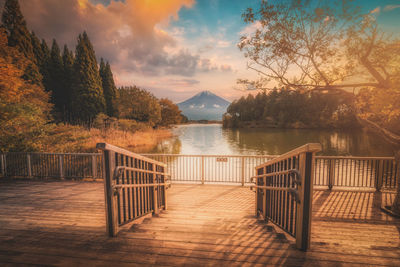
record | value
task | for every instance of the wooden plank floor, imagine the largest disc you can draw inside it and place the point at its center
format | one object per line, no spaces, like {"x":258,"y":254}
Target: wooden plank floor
{"x":63,"y":224}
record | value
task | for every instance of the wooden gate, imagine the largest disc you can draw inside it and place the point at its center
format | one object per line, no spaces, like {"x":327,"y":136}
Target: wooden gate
{"x":134,"y":186}
{"x":284,"y":189}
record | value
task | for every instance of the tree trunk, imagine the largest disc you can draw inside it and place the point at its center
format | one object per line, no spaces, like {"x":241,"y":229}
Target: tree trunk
{"x":391,"y":137}
{"x":396,"y":203}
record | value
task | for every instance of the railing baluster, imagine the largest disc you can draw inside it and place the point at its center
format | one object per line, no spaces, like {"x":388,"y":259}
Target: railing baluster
{"x":202,"y":170}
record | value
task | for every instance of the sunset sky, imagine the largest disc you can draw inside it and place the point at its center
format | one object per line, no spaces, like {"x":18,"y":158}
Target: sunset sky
{"x":173,"y":48}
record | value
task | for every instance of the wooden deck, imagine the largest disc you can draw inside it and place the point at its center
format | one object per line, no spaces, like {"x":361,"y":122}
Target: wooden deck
{"x":63,"y":223}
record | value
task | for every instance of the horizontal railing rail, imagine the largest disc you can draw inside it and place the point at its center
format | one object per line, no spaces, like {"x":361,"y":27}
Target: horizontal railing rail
{"x":283,"y":192}
{"x":134,"y":186}
{"x":210,"y":168}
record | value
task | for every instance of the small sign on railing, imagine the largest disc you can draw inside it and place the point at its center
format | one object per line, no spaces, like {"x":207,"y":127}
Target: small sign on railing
{"x":222,"y":159}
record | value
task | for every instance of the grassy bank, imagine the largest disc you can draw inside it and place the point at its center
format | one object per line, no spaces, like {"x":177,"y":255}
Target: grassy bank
{"x":68,"y":138}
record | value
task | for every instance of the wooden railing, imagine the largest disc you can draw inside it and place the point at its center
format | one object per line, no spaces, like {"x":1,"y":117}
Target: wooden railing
{"x":134,"y":186}
{"x":330,"y":171}
{"x":356,"y":172}
{"x":211,"y":168}
{"x":284,"y":189}
{"x":51,"y":165}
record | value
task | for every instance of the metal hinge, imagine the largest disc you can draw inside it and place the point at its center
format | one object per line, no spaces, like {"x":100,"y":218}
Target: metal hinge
{"x":295,"y":193}
{"x":118,"y":172}
{"x":296,"y":175}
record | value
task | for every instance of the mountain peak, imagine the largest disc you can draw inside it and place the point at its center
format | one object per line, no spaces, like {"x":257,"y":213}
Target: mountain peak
{"x":204,"y":106}
{"x":204,"y":93}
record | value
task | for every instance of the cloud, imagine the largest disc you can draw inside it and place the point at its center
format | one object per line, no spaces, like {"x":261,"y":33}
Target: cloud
{"x":206,"y":65}
{"x":226,"y":68}
{"x":183,"y":63}
{"x":377,"y":10}
{"x":223,"y":44}
{"x":250,"y":29}
{"x":390,"y":7}
{"x":127,"y":33}
{"x":177,"y":84}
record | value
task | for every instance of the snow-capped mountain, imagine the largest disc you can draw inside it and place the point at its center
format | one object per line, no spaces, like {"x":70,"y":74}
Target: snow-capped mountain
{"x":204,"y":106}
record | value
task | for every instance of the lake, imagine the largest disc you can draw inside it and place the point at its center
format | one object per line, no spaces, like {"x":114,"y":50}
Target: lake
{"x":213,"y":139}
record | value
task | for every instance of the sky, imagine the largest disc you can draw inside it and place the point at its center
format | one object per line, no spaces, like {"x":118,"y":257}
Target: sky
{"x":173,"y":48}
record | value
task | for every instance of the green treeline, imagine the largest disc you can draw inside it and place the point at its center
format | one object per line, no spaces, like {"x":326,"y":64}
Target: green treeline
{"x":43,"y":85}
{"x":292,"y":109}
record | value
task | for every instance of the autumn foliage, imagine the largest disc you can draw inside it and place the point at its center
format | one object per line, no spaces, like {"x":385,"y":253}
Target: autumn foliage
{"x":24,"y":107}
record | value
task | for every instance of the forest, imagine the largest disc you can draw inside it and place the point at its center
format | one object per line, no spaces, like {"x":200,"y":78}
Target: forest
{"x":308,"y":46}
{"x":60,"y":99}
{"x":292,"y":109}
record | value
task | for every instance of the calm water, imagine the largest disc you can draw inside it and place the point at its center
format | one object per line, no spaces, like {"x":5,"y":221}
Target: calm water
{"x":213,"y":139}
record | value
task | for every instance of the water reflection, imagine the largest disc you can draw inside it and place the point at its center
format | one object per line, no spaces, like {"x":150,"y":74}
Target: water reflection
{"x":213,"y":139}
{"x":169,"y":146}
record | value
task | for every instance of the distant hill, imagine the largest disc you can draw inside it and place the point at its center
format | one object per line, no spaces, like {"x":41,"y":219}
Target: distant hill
{"x":204,"y":106}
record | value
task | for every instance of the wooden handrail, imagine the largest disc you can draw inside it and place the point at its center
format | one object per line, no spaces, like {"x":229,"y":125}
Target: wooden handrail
{"x":354,"y":157}
{"x":105,"y":146}
{"x":311,"y":147}
{"x":211,"y":155}
{"x":52,"y":153}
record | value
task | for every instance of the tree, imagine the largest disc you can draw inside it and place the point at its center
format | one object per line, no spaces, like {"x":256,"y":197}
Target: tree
{"x":59,"y":96}
{"x":313,"y":45}
{"x":15,"y":25}
{"x":24,"y":107}
{"x":308,"y":45}
{"x":170,"y":113}
{"x":138,"y":104}
{"x":110,"y":90}
{"x":20,"y":38}
{"x":37,"y":50}
{"x":88,"y":98}
{"x":68,"y":61}
{"x":293,"y":109}
{"x":43,"y":64}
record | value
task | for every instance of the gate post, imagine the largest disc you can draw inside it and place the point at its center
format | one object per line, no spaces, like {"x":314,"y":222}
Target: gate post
{"x":164,"y":188}
{"x":111,"y":204}
{"x":94,"y":166}
{"x":29,"y":165}
{"x":264,"y":191}
{"x":331,"y":174}
{"x":61,"y":164}
{"x":304,"y":208}
{"x":5,"y":165}
{"x":256,"y":192}
{"x":2,"y":164}
{"x":155,"y":189}
{"x":379,"y":176}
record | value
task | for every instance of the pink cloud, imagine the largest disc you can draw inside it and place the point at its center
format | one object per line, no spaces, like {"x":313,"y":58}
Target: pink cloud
{"x":375,"y":10}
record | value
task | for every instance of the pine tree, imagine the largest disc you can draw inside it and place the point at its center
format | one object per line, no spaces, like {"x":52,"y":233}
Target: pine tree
{"x":56,"y":76}
{"x":20,"y":38}
{"x":17,"y":31}
{"x":37,"y":50}
{"x":68,"y":61}
{"x":88,"y":98}
{"x":109,"y":88}
{"x":44,"y":65}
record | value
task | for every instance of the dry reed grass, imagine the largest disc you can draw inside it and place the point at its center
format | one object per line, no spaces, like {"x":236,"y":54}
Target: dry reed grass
{"x":68,"y":138}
